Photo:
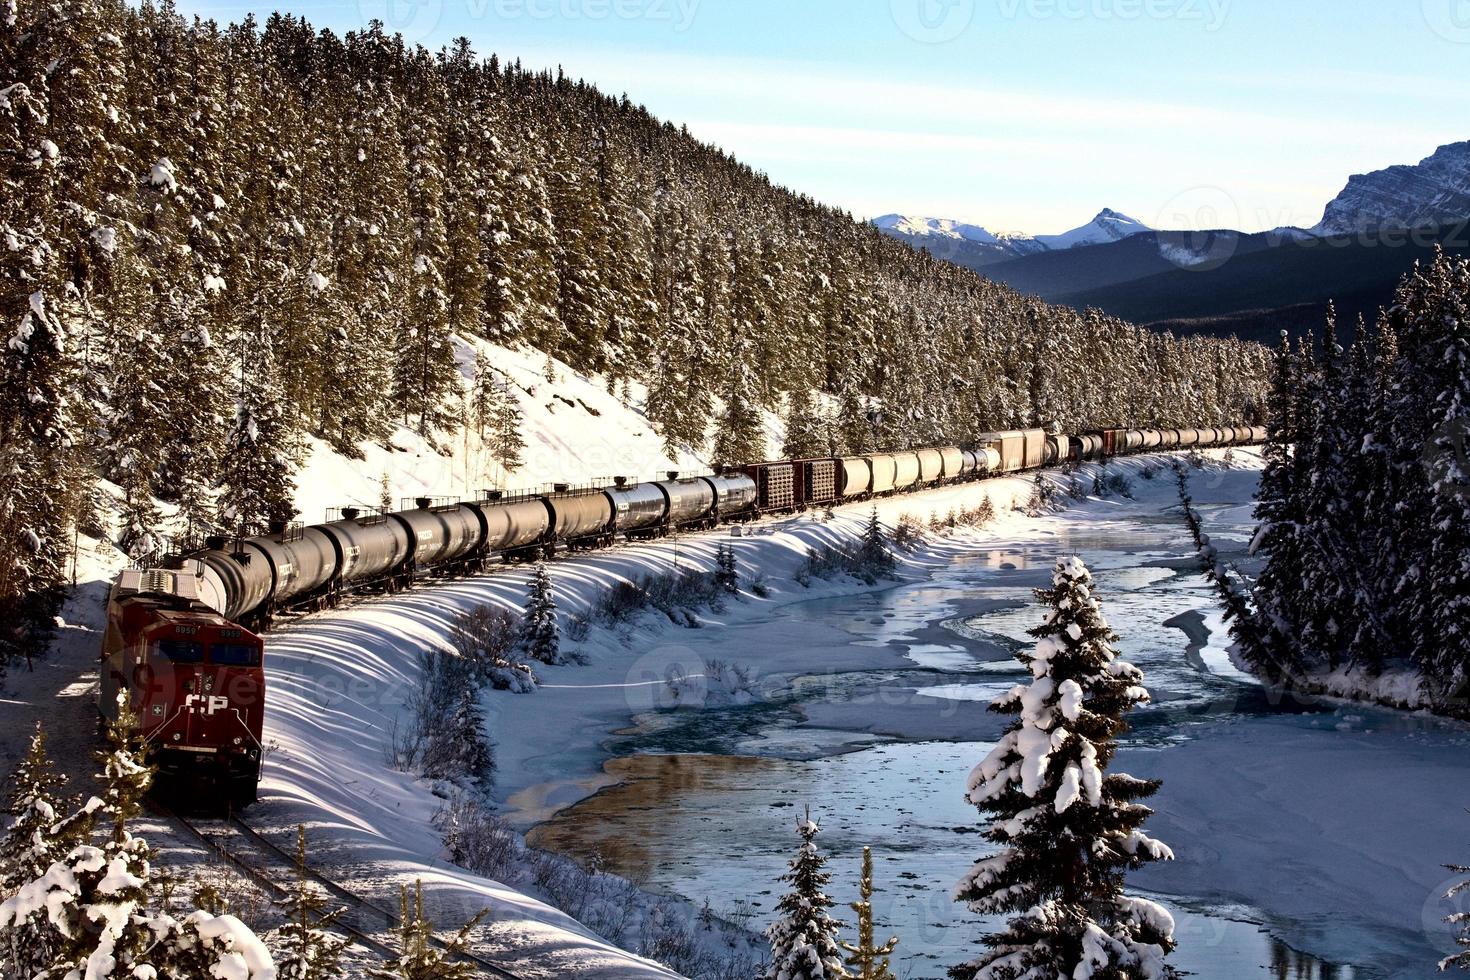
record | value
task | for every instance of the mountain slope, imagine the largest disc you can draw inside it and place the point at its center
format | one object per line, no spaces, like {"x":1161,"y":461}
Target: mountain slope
{"x":1271,"y":284}
{"x":1434,"y":192}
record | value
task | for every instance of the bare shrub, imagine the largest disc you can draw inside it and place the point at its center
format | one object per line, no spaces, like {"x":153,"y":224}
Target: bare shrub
{"x":485,"y":639}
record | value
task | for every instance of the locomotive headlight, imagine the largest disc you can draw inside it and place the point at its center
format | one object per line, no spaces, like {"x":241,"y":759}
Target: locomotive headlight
{"x":177,"y":736}
{"x":237,"y":740}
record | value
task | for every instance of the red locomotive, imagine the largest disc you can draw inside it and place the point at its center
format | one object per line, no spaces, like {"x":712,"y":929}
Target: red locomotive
{"x":194,"y":679}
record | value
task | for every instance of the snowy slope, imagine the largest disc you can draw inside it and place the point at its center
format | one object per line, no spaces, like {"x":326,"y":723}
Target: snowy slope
{"x":574,"y":429}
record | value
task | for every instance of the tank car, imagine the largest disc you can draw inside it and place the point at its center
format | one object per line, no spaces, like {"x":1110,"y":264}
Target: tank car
{"x":639,"y":509}
{"x":856,"y":476}
{"x":907,"y":470}
{"x":885,"y":473}
{"x":194,"y":682}
{"x":690,"y":503}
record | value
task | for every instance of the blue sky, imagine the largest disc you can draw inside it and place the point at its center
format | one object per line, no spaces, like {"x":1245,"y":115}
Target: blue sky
{"x":1026,"y":115}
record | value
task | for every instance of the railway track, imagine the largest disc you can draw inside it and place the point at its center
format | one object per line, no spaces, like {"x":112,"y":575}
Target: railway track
{"x":359,"y":910}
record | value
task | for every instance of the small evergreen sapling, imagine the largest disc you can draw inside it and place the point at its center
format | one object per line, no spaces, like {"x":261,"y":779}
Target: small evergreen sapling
{"x":868,"y":960}
{"x":1065,"y":831}
{"x":418,"y":956}
{"x":306,"y":950}
{"x":804,"y":936}
{"x":727,"y":572}
{"x":540,"y":634}
{"x":875,"y":558}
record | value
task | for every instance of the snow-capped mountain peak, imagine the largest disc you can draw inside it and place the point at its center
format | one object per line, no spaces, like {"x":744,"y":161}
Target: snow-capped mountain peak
{"x":1435,"y":191}
{"x":902,"y":224}
{"x":943,"y":235}
{"x":1108,"y":226}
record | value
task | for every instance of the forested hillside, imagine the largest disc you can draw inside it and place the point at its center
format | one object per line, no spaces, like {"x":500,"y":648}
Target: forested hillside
{"x":219,"y":240}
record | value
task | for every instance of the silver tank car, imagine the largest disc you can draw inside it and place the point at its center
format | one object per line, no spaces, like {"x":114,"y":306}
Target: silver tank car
{"x":510,"y":525}
{"x":687,"y":501}
{"x":301,"y":561}
{"x":734,"y":493}
{"x":370,"y":547}
{"x":637,"y":507}
{"x":234,"y":583}
{"x":439,"y":534}
{"x":579,"y":515}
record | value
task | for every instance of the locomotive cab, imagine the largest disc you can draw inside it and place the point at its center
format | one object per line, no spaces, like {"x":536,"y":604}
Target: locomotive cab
{"x":194,"y":681}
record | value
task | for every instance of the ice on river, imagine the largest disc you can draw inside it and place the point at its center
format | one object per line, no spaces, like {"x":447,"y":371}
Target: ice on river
{"x":1307,"y":834}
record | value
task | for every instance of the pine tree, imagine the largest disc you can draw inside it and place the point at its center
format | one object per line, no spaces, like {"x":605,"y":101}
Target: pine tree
{"x":99,"y":908}
{"x":868,"y":961}
{"x":804,"y":936}
{"x":418,"y":956}
{"x":306,"y":950}
{"x":1278,"y":513}
{"x":36,"y":838}
{"x":875,"y":557}
{"x":540,"y":634}
{"x":1461,"y":922}
{"x":727,"y":572}
{"x":739,"y":432}
{"x":460,"y":751}
{"x":1066,"y":830}
{"x":806,"y":430}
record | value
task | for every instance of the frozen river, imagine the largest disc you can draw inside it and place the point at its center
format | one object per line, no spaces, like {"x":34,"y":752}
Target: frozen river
{"x":1310,"y":836}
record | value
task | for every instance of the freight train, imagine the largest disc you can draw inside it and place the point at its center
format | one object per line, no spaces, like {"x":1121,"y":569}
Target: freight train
{"x":184,"y":641}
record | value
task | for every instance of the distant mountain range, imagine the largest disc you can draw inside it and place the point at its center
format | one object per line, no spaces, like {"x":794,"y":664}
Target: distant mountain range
{"x":949,"y":239}
{"x":1223,"y":281}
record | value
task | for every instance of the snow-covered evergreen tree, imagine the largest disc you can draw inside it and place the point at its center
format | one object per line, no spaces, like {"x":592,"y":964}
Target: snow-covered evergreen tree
{"x":727,"y":571}
{"x":459,"y":750}
{"x":36,"y":837}
{"x":875,"y":556}
{"x":739,"y":435}
{"x":418,"y":956}
{"x":804,"y":936}
{"x":866,"y":958}
{"x":305,"y":948}
{"x":99,"y":908}
{"x":1065,"y":829}
{"x":540,"y":633}
{"x":806,"y":429}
